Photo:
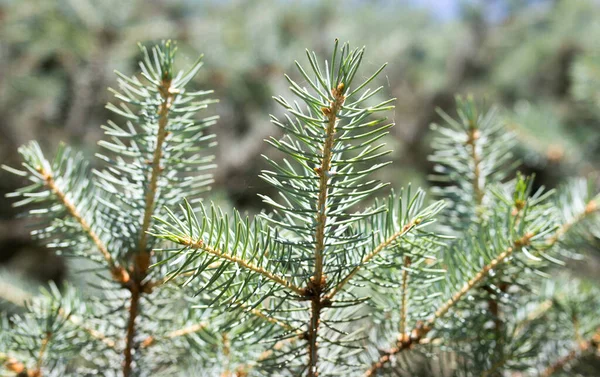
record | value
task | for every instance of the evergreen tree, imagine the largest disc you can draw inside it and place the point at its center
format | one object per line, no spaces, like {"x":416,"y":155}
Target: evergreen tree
{"x":329,"y":281}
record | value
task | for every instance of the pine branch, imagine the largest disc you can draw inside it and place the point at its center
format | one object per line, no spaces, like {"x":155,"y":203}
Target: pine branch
{"x":40,"y":359}
{"x":471,"y":154}
{"x":200,"y":245}
{"x":478,"y":190}
{"x":382,"y":246}
{"x":582,"y":347}
{"x":423,"y":328}
{"x":419,"y":332}
{"x":134,"y":302}
{"x":168,"y":94}
{"x":404,"y":301}
{"x":331,"y":113}
{"x":244,"y":369}
{"x":6,"y":293}
{"x":318,"y":281}
{"x":93,"y":333}
{"x":591,"y":208}
{"x":142,"y":257}
{"x":118,"y":273}
{"x":151,"y":340}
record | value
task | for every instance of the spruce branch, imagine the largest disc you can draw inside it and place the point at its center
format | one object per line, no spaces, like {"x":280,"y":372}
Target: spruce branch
{"x":153,"y":160}
{"x":142,"y":258}
{"x":152,"y":340}
{"x":118,"y":273}
{"x":318,"y":280}
{"x":330,"y":143}
{"x":20,"y":298}
{"x":331,"y":113}
{"x":591,"y":208}
{"x":134,"y":302}
{"x":199,"y":245}
{"x":40,"y":358}
{"x":419,"y":332}
{"x":65,"y":184}
{"x":404,"y":292}
{"x":471,"y":154}
{"x":167,"y":93}
{"x":404,"y":230}
{"x":423,"y":328}
{"x":591,"y":345}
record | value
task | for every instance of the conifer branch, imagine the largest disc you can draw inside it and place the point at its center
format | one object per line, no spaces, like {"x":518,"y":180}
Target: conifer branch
{"x":151,"y":340}
{"x":200,"y":245}
{"x":376,"y":251}
{"x":24,"y":297}
{"x":142,"y":258}
{"x":134,"y":302}
{"x":244,"y":369}
{"x":404,"y":290}
{"x":273,"y":320}
{"x":582,"y":347}
{"x":541,"y":310}
{"x":168,"y":94}
{"x":132,"y":187}
{"x":423,"y":328}
{"x":318,"y":280}
{"x":591,"y":207}
{"x":37,"y":372}
{"x":478,"y":191}
{"x":323,"y":171}
{"x":92,"y":332}
{"x":118,"y":273}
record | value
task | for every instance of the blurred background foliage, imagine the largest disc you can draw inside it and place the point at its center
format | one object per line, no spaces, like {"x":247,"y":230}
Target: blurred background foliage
{"x":538,"y":60}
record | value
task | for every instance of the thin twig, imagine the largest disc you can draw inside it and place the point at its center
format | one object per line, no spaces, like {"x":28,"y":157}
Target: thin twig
{"x":168,"y":94}
{"x":150,"y":340}
{"x":200,"y":245}
{"x":404,"y":289}
{"x":37,"y":372}
{"x":142,"y":257}
{"x":367,"y":258}
{"x":590,"y":208}
{"x":406,"y":341}
{"x":582,"y":348}
{"x":118,"y":273}
{"x":317,"y":282}
{"x":92,"y":332}
{"x":478,"y":192}
{"x":134,"y":302}
{"x":331,"y":113}
{"x":244,"y":369}
{"x":421,"y":329}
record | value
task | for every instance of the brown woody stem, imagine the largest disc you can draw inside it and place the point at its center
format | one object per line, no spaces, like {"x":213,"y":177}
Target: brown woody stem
{"x":141,"y":260}
{"x":119,"y":274}
{"x":315,"y":286}
{"x":200,"y":245}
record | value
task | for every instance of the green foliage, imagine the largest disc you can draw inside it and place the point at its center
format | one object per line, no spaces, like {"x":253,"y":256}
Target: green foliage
{"x":154,"y":154}
{"x":330,"y":280}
